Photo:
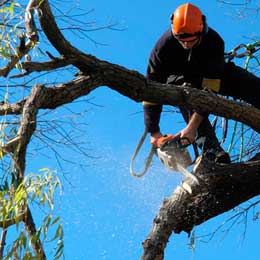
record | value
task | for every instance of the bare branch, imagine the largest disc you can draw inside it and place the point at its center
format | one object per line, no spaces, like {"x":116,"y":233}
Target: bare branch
{"x":246,"y":2}
{"x":53,"y":33}
{"x":31,"y":230}
{"x":46,"y":66}
{"x":21,"y":51}
{"x":12,"y":109}
{"x":31,"y":30}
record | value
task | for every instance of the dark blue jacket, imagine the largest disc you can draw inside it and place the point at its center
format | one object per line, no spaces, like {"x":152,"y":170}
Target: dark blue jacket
{"x":168,"y":57}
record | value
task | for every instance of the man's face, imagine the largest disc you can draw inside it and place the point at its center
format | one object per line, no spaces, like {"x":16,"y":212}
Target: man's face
{"x":187,"y":41}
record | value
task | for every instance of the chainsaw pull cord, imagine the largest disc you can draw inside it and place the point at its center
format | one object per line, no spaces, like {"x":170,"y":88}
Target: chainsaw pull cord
{"x":148,"y":159}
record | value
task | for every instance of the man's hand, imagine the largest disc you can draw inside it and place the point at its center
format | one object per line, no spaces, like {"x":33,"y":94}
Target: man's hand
{"x":190,"y":131}
{"x":154,"y":138}
{"x":188,"y":135}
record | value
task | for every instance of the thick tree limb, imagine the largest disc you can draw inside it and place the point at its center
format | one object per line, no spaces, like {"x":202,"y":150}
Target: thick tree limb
{"x":19,"y":146}
{"x":53,"y":33}
{"x":134,"y":85}
{"x":221,"y":188}
{"x":25,"y":132}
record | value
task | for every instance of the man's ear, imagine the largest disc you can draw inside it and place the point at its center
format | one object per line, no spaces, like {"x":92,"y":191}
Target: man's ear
{"x":171,"y":17}
{"x":205,"y":25}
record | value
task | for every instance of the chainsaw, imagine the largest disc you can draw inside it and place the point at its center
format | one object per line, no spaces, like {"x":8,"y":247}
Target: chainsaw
{"x":172,"y":153}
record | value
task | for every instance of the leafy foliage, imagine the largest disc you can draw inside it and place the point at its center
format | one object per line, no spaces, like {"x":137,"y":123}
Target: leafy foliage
{"x":11,"y":30}
{"x":36,"y":189}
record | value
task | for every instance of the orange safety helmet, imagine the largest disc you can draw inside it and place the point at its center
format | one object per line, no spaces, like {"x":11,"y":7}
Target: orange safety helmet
{"x":187,"y":19}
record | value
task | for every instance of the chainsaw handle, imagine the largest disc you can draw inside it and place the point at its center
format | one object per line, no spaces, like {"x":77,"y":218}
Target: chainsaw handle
{"x":176,"y":139}
{"x":185,"y":138}
{"x":164,"y":139}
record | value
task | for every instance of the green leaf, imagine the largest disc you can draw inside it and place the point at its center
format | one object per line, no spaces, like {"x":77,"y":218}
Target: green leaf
{"x":59,"y":251}
{"x":55,"y":221}
{"x":44,"y":169}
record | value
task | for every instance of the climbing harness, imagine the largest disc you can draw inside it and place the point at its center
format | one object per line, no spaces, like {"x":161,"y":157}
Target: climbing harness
{"x":241,"y":51}
{"x":171,"y":152}
{"x":248,"y":51}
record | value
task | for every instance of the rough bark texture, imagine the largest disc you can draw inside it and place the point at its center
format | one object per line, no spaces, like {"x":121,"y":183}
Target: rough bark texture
{"x":220,"y":189}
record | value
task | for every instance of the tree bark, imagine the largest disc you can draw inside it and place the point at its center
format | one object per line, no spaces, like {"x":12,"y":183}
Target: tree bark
{"x":221,"y":188}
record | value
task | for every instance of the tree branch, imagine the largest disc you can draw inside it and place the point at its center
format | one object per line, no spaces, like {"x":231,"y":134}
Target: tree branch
{"x":11,"y":221}
{"x":31,"y":230}
{"x":46,"y":66}
{"x":21,"y":51}
{"x":53,"y":33}
{"x":45,"y":98}
{"x":134,"y":85}
{"x":11,"y":109}
{"x":221,"y":188}
{"x":31,"y":30}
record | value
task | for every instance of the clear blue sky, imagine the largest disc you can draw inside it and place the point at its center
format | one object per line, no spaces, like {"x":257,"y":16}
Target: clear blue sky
{"x":107,"y":213}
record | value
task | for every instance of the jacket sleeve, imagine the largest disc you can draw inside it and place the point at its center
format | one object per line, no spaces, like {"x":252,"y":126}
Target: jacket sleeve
{"x":214,"y":56}
{"x":152,"y":114}
{"x":152,"y":111}
{"x":155,"y":70}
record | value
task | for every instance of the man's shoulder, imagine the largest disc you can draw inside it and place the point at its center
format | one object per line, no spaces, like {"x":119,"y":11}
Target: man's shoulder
{"x":167,"y":35}
{"x":213,"y":34}
{"x":167,"y":39}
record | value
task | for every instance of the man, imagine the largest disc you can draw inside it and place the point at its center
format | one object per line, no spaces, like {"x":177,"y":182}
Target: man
{"x":191,"y":52}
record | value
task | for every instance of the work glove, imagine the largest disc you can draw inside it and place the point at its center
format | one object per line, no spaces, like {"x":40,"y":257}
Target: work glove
{"x":176,"y":80}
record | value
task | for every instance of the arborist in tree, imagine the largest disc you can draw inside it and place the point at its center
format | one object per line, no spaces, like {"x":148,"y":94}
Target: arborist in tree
{"x":191,"y":52}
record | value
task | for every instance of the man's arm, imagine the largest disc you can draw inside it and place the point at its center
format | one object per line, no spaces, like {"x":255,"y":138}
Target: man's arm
{"x":214,"y":61}
{"x":152,"y":113}
{"x":190,"y":131}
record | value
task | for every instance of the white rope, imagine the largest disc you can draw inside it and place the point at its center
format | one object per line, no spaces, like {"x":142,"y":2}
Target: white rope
{"x":148,"y":159}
